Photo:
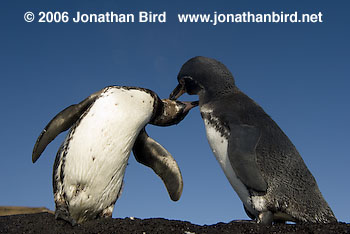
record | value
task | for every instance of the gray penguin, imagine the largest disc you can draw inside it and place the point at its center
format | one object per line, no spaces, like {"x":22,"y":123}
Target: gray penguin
{"x":261,"y":163}
{"x":104,"y":128}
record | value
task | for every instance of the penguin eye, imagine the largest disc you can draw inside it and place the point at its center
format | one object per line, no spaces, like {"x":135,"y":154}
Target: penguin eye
{"x":191,"y":85}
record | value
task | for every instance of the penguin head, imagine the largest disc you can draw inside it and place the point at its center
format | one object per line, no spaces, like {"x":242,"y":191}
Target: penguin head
{"x":205,"y":77}
{"x":170,"y":112}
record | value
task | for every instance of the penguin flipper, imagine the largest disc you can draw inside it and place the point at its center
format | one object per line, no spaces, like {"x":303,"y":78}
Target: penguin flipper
{"x":60,"y":123}
{"x":150,"y":153}
{"x":241,"y":152}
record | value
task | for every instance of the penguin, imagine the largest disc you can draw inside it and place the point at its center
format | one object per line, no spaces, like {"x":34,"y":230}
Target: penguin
{"x":260,"y":162}
{"x":90,"y":164}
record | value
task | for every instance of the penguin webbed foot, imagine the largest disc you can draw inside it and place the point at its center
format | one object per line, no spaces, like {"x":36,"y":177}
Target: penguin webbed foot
{"x":265,"y":217}
{"x":107,"y":212}
{"x":63,"y":214}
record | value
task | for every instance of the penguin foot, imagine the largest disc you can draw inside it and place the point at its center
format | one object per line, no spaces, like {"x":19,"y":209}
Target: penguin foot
{"x":63,"y":214}
{"x":265,"y":218}
{"x":107,"y":213}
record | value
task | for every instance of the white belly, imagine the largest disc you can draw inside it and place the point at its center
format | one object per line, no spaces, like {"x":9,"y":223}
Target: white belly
{"x":218,"y":145}
{"x":100,"y":146}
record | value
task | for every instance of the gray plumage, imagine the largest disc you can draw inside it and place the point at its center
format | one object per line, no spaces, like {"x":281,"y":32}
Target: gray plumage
{"x":261,"y":155}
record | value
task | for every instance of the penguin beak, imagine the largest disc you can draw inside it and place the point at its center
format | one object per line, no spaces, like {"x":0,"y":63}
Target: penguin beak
{"x":189,"y":105}
{"x":177,"y":92}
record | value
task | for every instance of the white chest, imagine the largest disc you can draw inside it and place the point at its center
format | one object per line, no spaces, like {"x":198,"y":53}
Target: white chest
{"x":100,"y":145}
{"x":219,"y":146}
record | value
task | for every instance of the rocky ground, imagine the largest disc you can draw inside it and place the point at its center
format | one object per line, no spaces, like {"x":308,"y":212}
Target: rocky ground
{"x":46,"y":223}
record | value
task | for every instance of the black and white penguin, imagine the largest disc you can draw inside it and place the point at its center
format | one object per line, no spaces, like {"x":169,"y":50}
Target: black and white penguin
{"x":261,"y":163}
{"x":104,"y":128}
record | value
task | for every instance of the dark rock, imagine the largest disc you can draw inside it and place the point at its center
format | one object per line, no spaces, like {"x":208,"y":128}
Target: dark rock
{"x":46,"y":223}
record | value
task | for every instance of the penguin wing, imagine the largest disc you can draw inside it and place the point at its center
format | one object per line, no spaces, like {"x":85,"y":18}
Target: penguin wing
{"x":242,"y":142}
{"x":150,"y":153}
{"x":60,"y":123}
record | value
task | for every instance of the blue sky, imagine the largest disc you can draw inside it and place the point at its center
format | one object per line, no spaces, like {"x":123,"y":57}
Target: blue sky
{"x":299,"y":74}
